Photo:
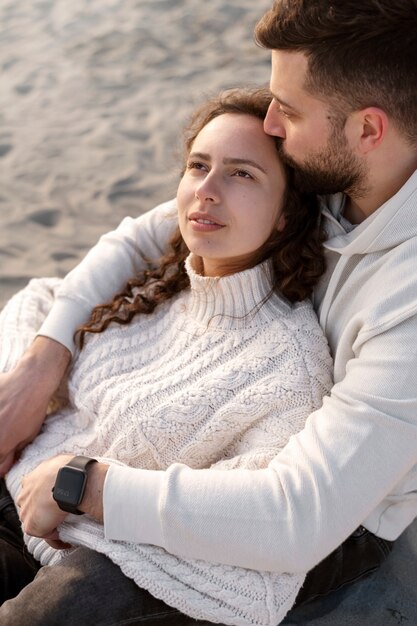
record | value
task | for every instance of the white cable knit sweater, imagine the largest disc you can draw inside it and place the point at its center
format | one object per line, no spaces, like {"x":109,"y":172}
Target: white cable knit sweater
{"x":209,"y":380}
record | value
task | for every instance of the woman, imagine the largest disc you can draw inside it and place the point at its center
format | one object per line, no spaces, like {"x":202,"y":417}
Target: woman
{"x":203,"y":362}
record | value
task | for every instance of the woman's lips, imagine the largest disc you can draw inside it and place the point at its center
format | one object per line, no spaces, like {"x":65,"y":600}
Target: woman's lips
{"x":204,"y":223}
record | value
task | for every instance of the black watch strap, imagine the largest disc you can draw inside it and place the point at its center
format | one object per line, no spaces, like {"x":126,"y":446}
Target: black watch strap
{"x":81,"y":462}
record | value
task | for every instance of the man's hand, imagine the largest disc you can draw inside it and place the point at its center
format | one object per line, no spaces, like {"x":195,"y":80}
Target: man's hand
{"x":24,"y":396}
{"x":38,"y":511}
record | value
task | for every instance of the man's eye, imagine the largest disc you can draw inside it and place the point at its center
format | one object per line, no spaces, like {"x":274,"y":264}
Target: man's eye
{"x":283,"y":113}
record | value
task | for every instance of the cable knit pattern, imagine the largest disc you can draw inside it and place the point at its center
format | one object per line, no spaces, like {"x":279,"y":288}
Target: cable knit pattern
{"x":210,"y":379}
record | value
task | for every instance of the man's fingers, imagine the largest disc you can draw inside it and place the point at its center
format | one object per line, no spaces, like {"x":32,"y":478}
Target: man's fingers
{"x":54,"y":541}
{"x":58,"y":545}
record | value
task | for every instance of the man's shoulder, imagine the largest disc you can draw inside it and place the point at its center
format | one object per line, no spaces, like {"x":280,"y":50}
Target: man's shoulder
{"x":164,"y":212}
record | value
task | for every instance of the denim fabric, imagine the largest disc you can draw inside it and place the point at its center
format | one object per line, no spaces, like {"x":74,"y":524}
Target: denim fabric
{"x":361,"y":554}
{"x":17,"y":566}
{"x":86,"y":588}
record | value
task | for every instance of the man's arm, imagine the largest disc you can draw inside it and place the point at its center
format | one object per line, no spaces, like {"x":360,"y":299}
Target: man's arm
{"x":352,"y":464}
{"x":24,"y":395}
{"x":116,"y":258}
{"x":26,"y":390}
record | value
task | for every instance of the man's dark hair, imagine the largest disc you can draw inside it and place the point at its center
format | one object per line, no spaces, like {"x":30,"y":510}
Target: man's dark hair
{"x":360,"y":52}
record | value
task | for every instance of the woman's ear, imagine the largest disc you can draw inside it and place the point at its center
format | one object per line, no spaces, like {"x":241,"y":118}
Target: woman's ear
{"x":281,"y":223}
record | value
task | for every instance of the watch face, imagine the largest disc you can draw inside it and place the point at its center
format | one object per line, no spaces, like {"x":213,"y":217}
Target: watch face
{"x":69,"y":486}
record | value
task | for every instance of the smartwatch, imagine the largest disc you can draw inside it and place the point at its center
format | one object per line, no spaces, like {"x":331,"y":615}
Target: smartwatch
{"x":70,"y":484}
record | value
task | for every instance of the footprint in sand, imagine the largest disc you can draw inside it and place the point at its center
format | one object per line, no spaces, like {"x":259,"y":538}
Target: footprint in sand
{"x":63,"y":256}
{"x":5,"y":149}
{"x":45,"y":217}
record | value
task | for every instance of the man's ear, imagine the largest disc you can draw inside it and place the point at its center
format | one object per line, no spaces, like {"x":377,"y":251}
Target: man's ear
{"x":367,"y":128}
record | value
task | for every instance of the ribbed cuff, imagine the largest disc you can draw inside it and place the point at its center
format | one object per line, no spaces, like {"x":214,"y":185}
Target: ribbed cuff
{"x":63,"y":319}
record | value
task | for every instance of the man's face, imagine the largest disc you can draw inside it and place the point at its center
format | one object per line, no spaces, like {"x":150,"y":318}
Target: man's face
{"x":313,"y":138}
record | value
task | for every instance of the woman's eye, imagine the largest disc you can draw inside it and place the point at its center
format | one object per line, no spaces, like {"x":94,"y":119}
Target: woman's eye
{"x":243,"y":174}
{"x":195,"y":165}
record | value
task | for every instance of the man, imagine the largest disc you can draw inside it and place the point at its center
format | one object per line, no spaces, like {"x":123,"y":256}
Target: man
{"x":344,"y":84}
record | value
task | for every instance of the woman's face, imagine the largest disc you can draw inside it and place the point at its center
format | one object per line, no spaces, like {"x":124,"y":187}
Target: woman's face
{"x":230,"y":197}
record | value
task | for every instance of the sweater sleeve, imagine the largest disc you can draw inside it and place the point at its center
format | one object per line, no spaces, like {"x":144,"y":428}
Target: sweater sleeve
{"x":116,"y":257}
{"x":353,"y":463}
{"x":22,"y":316}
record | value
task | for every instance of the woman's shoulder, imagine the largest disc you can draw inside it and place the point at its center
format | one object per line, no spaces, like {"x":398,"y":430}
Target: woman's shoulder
{"x":299,"y":328}
{"x":293,"y":315}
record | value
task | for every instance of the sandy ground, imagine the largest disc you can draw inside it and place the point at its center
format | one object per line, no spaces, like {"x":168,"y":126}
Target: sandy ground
{"x":93,"y":97}
{"x":93,"y":94}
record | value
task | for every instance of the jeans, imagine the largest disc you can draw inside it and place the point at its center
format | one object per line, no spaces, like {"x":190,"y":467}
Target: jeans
{"x":17,"y":567}
{"x":359,"y":556}
{"x":86,"y":588}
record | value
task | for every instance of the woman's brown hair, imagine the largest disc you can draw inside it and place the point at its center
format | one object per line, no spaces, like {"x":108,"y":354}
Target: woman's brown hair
{"x":296,"y":252}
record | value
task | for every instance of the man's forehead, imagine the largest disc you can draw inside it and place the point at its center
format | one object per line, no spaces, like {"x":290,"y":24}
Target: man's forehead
{"x":288,"y":80}
{"x":289,"y":68}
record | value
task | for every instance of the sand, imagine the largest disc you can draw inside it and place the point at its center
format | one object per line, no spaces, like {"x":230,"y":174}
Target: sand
{"x":93,"y":95}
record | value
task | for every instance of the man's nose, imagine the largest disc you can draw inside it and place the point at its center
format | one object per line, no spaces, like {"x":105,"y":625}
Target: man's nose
{"x":273,"y":122}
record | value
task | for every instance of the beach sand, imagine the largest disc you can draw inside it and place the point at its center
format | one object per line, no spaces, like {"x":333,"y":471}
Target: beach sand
{"x":93,"y":94}
{"x":93,"y":97}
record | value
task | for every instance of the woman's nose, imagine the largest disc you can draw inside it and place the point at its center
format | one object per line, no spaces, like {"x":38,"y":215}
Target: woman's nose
{"x":208,"y":190}
{"x":273,"y":122}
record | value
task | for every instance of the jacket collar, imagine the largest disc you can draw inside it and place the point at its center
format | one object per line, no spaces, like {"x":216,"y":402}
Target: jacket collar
{"x":389,"y":226}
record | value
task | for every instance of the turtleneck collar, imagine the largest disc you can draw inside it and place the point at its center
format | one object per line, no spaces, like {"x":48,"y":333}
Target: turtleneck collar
{"x":233,"y":301}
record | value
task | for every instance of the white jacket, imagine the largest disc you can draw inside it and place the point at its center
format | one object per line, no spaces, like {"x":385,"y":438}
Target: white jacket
{"x":355,"y":462}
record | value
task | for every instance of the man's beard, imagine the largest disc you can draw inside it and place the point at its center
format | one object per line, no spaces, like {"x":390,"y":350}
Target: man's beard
{"x":330,"y":170}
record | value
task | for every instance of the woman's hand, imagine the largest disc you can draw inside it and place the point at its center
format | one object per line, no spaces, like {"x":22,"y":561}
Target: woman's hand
{"x":38,"y":511}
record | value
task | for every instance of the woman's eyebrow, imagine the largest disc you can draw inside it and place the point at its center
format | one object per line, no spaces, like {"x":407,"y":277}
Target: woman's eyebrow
{"x":199,"y":155}
{"x":227,"y":160}
{"x":238,"y":161}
